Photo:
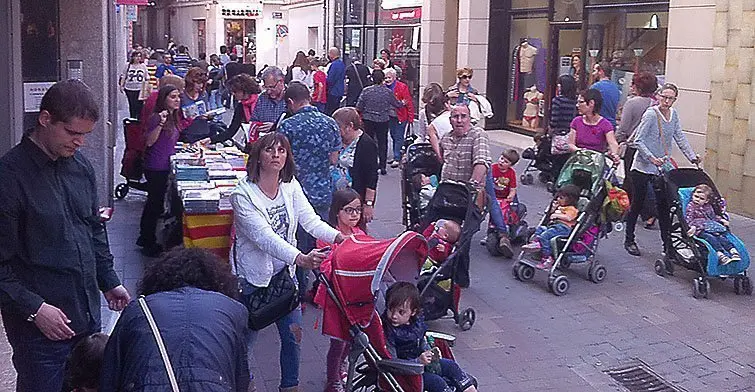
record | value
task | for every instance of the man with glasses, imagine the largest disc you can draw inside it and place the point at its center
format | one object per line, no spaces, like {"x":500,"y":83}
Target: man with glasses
{"x":270,"y":104}
{"x":608,"y":90}
{"x":166,"y":68}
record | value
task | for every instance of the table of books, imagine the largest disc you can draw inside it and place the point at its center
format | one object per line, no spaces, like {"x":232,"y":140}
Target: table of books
{"x":203,"y":180}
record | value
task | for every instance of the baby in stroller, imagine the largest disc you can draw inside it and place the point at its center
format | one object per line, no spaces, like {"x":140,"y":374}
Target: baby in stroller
{"x":426,"y":186}
{"x":705,"y":223}
{"x":563,"y":218}
{"x":405,"y":332}
{"x":441,"y":237}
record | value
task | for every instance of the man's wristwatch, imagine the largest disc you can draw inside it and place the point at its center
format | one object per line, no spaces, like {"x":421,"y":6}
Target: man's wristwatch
{"x":369,"y":203}
{"x":31,"y":317}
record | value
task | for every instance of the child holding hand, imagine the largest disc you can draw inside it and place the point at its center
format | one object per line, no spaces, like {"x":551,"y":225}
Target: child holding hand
{"x":405,"y":338}
{"x":563,"y":217}
{"x":705,"y":223}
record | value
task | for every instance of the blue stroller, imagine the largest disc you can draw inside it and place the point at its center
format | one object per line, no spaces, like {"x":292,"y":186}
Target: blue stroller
{"x":695,"y":253}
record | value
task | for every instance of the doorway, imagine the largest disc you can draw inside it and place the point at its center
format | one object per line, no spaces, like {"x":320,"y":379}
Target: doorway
{"x":565,"y":57}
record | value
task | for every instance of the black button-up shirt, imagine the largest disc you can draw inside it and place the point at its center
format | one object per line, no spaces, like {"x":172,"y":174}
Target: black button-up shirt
{"x":53,"y":247}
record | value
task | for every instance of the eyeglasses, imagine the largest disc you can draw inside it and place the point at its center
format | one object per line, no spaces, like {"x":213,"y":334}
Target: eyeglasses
{"x":465,"y":77}
{"x":667,"y":98}
{"x":273,"y":86}
{"x":352,"y":210}
{"x":581,"y":101}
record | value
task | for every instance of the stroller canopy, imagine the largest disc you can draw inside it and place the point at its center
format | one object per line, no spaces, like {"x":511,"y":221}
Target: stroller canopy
{"x":363,"y":267}
{"x":586,"y":161}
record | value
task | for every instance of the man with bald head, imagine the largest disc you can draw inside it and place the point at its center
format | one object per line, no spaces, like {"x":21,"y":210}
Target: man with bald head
{"x":336,"y":81}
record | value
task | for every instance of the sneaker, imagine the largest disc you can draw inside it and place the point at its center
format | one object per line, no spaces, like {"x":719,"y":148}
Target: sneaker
{"x":394,"y":164}
{"x":735,"y":254}
{"x":723,"y":259}
{"x":632,"y":248}
{"x":390,"y":161}
{"x":504,"y":246}
{"x":532,"y":247}
{"x":546,"y":263}
{"x":483,"y":241}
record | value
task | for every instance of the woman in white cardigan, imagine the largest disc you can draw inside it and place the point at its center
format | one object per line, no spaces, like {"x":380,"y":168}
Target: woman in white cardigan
{"x":268,"y":205}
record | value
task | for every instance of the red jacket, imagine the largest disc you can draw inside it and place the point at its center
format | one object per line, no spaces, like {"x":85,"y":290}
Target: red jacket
{"x":406,"y":113}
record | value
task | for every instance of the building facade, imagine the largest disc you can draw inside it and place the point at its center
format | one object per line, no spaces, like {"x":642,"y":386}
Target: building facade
{"x":50,"y":40}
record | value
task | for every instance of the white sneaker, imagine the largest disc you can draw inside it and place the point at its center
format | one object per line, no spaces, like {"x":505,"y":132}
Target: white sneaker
{"x":735,"y":254}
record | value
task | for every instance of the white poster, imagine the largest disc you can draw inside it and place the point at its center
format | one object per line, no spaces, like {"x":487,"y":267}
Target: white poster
{"x":33,"y":93}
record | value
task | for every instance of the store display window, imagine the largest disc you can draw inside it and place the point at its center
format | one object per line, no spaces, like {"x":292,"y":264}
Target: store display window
{"x":528,"y":75}
{"x":528,"y":4}
{"x":241,"y":38}
{"x":630,"y":41}
{"x":403,"y":44}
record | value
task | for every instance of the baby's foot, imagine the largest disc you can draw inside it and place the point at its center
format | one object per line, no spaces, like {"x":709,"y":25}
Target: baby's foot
{"x":735,"y":254}
{"x":546,"y":263}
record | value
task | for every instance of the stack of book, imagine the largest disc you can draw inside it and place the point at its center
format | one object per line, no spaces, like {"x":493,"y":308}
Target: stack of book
{"x":191,"y":173}
{"x":201,"y":201}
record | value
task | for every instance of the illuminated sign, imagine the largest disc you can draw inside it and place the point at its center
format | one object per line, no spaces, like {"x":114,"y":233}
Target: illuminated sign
{"x":407,"y":14}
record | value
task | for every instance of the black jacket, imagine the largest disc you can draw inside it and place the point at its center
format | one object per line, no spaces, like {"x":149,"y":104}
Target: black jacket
{"x":364,"y":173}
{"x":356,"y":73}
{"x":203,"y":333}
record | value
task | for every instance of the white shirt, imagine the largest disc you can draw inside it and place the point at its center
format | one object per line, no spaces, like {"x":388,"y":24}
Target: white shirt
{"x":442,"y":124}
{"x":135,"y":75}
{"x":275,"y":209}
{"x":300,"y":75}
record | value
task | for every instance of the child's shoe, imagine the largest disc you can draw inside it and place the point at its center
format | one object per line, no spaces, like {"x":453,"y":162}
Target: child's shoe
{"x":532,"y":247}
{"x":723,"y":259}
{"x":735,"y":254}
{"x":546,"y":263}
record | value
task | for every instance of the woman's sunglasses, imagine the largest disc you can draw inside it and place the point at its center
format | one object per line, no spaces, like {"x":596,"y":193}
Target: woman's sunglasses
{"x":465,"y":77}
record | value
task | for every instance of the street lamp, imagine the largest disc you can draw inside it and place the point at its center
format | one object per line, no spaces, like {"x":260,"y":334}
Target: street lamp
{"x":637,"y":55}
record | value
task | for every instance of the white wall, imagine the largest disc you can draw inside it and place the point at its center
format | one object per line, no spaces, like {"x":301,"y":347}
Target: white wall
{"x":183,"y":26}
{"x":300,"y":20}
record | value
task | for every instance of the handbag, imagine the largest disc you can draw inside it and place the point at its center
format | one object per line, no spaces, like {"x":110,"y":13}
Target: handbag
{"x":560,"y":143}
{"x":160,"y":344}
{"x":669,"y":163}
{"x":267,"y":305}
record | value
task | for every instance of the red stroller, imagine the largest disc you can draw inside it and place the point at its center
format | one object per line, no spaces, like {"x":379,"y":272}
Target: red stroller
{"x":362,"y":270}
{"x":132,"y":165}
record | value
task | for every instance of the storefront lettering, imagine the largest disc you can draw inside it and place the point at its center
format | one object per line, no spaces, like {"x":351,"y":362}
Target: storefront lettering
{"x":401,"y":15}
{"x":244,"y":13}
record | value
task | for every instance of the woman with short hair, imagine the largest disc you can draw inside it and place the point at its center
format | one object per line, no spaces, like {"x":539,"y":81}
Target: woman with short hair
{"x":590,"y":130}
{"x":376,"y":102}
{"x":245,"y":90}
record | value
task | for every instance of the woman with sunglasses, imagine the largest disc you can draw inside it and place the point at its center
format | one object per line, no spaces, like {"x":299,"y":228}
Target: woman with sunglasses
{"x":462,"y":91}
{"x":659,"y":127}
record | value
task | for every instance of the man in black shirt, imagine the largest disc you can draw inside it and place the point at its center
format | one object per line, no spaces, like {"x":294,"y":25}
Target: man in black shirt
{"x":54,"y":252}
{"x":357,"y":77}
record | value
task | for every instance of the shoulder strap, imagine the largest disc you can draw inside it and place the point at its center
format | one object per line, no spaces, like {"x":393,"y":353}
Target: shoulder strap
{"x":160,"y":344}
{"x":359,"y":77}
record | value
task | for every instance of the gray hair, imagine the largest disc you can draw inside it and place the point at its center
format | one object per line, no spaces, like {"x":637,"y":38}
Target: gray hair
{"x":335,"y":50}
{"x":274,"y":72}
{"x":390,"y":71}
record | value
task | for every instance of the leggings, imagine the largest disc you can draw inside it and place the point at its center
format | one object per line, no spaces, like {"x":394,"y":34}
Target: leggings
{"x":639,"y":184}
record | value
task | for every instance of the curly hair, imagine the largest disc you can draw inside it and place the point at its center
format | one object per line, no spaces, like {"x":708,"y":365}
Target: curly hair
{"x":195,"y":79}
{"x":191,"y":267}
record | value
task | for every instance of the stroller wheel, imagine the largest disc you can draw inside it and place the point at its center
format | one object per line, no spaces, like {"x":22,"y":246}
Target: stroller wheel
{"x":597,"y":273}
{"x":700,"y":288}
{"x":491,"y":243}
{"x":738,"y":288}
{"x":525,"y":272}
{"x":660,"y":267}
{"x":550,"y":187}
{"x":467,"y":319}
{"x":746,"y":285}
{"x":121,"y":190}
{"x":544,"y":177}
{"x":559,"y":285}
{"x":527,"y":179}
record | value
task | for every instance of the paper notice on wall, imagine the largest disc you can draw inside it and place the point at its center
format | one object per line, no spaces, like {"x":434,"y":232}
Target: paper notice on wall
{"x":33,"y":93}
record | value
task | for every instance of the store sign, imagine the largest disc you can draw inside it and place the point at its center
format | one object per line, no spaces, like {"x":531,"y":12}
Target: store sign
{"x":33,"y":93}
{"x":132,"y":13}
{"x":240,"y":12}
{"x":393,"y":4}
{"x":277,"y":15}
{"x":404,"y":15}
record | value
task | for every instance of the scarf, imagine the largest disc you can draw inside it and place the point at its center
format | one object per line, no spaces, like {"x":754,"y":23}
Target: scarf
{"x":249,"y":105}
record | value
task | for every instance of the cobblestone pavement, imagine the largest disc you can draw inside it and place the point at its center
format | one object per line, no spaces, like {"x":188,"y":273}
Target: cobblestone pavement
{"x":527,"y":339}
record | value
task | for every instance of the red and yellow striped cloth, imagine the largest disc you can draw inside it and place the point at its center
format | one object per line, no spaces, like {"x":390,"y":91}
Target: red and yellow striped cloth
{"x":209,"y":231}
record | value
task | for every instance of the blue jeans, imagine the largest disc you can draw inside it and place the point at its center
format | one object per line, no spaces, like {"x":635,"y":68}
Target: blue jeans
{"x":216,"y":99}
{"x":496,"y":214}
{"x":436,"y":383}
{"x":290,"y":332}
{"x":397,"y":130}
{"x":39,"y":362}
{"x":718,"y":241}
{"x":545,"y":234}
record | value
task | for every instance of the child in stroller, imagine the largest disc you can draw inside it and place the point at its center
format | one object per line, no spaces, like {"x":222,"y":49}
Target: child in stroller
{"x":441,"y":238}
{"x":405,"y":331}
{"x":706,"y":224}
{"x":506,"y":224}
{"x":563,"y":216}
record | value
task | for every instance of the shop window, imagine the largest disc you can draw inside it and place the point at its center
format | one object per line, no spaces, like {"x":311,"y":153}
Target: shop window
{"x":338,"y":12}
{"x":567,"y":10}
{"x":371,"y":8}
{"x":630,"y":42}
{"x":353,"y":48}
{"x":529,"y":42}
{"x":354,"y":12}
{"x":241,"y":38}
{"x":338,"y":38}
{"x":403,"y":43}
{"x":525,"y":4}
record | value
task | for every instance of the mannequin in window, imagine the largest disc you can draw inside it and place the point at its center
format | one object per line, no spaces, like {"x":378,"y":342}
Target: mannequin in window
{"x":531,"y":115}
{"x":525,"y":71}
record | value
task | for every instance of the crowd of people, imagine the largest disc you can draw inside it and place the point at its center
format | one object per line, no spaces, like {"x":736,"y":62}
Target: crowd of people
{"x":318,"y":142}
